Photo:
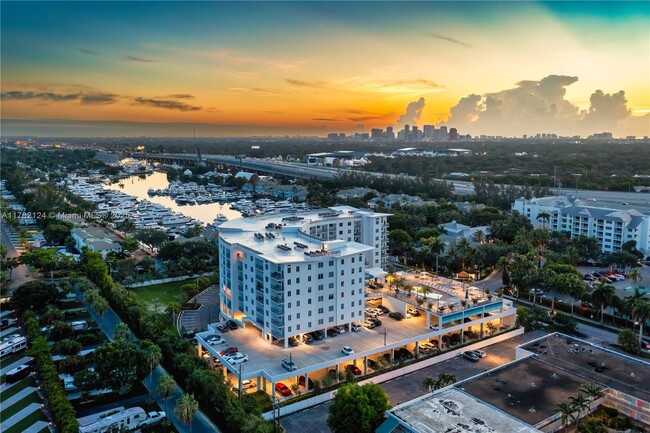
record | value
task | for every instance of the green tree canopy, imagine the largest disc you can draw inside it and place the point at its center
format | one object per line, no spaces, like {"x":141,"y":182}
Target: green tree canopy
{"x":34,"y":295}
{"x":357,"y":408}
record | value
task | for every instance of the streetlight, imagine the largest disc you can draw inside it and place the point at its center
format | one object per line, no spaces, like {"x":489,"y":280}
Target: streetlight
{"x":385,"y":335}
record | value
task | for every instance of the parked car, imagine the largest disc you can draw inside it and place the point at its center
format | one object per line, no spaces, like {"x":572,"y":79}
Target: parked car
{"x":236,"y":358}
{"x":347,"y":350}
{"x":332,"y":332}
{"x":471,"y":356}
{"x":231,"y":324}
{"x":307,"y":338}
{"x":229,"y":351}
{"x":373,"y":364}
{"x":214,"y":340}
{"x":293,"y":341}
{"x":282,"y":389}
{"x":369,"y":324}
{"x":153,"y":418}
{"x":355,"y":327}
{"x":6,"y":323}
{"x":480,"y":353}
{"x":318,"y":335}
{"x":247,"y":384}
{"x":301,"y":382}
{"x":289,"y":365}
{"x":404,"y":354}
{"x":434,"y":342}
{"x":413,"y":312}
{"x":222,"y":328}
{"x":434,"y":328}
{"x":377,"y":322}
{"x":340,"y":329}
{"x":384,"y":309}
{"x":396,"y":315}
{"x":353,"y":369}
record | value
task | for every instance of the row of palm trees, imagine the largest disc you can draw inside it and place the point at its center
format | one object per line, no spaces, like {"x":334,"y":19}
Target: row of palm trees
{"x":572,"y":409}
{"x":443,"y":380}
{"x":186,"y":405}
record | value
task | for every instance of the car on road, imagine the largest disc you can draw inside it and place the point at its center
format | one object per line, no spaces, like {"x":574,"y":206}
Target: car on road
{"x":396,"y":315}
{"x":282,"y":389}
{"x":236,"y":358}
{"x":471,"y":356}
{"x":355,"y":327}
{"x":353,"y":369}
{"x":289,"y":365}
{"x":332,"y":332}
{"x":229,"y":351}
{"x":214,"y":340}
{"x":480,"y":353}
{"x":347,"y":350}
{"x":222,"y":328}
{"x":232,"y":325}
{"x":369,"y":324}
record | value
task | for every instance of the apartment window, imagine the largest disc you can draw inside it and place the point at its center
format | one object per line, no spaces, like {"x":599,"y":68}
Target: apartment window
{"x":320,"y":311}
{"x":342,"y":294}
{"x":351,"y":292}
{"x":288,"y":269}
{"x":309,"y":324}
{"x":320,"y":321}
{"x":340,"y":224}
{"x":297,"y":268}
{"x":309,"y":278}
{"x":308,"y":289}
{"x":320,"y":264}
{"x":331,"y":274}
{"x":289,"y":305}
{"x":320,"y":287}
{"x":342,"y":316}
{"x":342,"y":306}
{"x":289,"y":293}
{"x":342,"y":271}
{"x":298,"y":292}
{"x":289,"y":317}
{"x":320,"y":276}
{"x":297,"y":280}
{"x":309,"y":267}
{"x":297,"y":327}
{"x":331,"y":296}
{"x":297,"y":315}
{"x":289,"y":282}
{"x":331,"y":285}
{"x":309,"y":301}
{"x":352,"y":314}
{"x":331,"y":308}
{"x":320,"y":299}
{"x":289,"y":327}
{"x":331,"y":319}
{"x":331,"y":263}
{"x":341,"y":283}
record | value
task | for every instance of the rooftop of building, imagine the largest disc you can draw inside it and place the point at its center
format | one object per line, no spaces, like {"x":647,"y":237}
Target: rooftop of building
{"x":453,"y":410}
{"x":281,"y":239}
{"x":92,"y":232}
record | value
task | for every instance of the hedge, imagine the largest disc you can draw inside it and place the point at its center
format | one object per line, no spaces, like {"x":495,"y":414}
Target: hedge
{"x":64,"y":414}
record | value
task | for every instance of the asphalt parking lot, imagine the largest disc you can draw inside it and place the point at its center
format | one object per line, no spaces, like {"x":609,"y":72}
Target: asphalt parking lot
{"x":408,"y":387}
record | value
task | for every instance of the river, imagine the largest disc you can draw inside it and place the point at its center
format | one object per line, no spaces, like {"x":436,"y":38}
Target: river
{"x":138,"y":186}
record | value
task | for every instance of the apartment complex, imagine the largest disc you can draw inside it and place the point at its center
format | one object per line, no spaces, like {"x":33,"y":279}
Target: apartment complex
{"x":298,"y":273}
{"x":612,"y":227}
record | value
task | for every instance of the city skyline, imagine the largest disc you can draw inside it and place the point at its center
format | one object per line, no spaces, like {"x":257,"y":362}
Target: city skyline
{"x":241,"y":69}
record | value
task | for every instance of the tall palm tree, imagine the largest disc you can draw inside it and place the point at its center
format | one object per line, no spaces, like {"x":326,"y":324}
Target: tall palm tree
{"x":186,"y":409}
{"x":153,"y":355}
{"x":635,"y":276}
{"x":544,"y":217}
{"x":165,"y":389}
{"x":479,"y":236}
{"x":604,"y":295}
{"x":639,"y":308}
{"x":565,"y":410}
{"x":580,"y":404}
{"x":431,"y":384}
{"x":592,"y":390}
{"x":122,"y":331}
{"x":447,"y":379}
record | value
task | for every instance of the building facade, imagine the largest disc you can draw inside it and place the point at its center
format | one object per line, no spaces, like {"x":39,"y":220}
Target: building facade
{"x":289,"y":275}
{"x":612,"y":227}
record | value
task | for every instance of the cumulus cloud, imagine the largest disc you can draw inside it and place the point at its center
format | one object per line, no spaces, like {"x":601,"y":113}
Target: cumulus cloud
{"x":412,"y":115}
{"x":537,"y":106}
{"x":166,"y":104}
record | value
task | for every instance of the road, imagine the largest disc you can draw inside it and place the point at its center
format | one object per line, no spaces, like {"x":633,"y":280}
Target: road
{"x":107,"y":322}
{"x":20,"y":275}
{"x":408,"y":387}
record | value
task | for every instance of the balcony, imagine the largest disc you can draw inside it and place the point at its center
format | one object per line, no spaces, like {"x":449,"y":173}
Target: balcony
{"x":277,"y":322}
{"x":277,"y":276}
{"x":277,"y":310}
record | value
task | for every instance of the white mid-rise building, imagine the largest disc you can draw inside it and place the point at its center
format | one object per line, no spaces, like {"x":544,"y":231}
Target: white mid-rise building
{"x":612,"y":227}
{"x":289,"y":275}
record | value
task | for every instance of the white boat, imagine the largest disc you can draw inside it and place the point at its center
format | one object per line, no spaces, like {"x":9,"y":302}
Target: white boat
{"x":220,"y":219}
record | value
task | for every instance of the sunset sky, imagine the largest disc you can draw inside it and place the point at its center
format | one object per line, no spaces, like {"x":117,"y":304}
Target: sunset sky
{"x":248,"y":68}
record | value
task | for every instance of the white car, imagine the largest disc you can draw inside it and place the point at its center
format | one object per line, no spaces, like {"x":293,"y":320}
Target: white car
{"x":356,"y":327}
{"x":368,"y":324}
{"x":347,"y":350}
{"x":426,"y":347}
{"x":434,"y":328}
{"x":247,"y":384}
{"x":236,"y":358}
{"x":340,"y":329}
{"x":214,"y":340}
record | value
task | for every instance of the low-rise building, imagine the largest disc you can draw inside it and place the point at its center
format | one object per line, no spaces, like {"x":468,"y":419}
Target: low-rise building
{"x":97,"y":239}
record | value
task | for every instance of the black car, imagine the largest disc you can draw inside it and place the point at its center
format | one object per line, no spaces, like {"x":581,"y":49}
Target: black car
{"x":307,"y":338}
{"x":317,"y":335}
{"x":395,"y":315}
{"x":6,"y":323}
{"x":231,"y":324}
{"x":222,"y":328}
{"x":384,"y":309}
{"x":301,"y":382}
{"x":377,"y":322}
{"x":404,"y":354}
{"x":293,"y":341}
{"x":332,"y":332}
{"x":373,"y":364}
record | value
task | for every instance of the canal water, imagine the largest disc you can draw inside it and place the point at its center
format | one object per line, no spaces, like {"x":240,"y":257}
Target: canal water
{"x":138,"y":186}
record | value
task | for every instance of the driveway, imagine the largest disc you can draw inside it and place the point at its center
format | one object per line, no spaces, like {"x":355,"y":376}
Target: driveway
{"x":409,"y":386}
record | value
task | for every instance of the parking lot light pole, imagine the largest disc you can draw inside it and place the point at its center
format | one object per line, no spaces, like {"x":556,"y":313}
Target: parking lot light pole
{"x":385,"y":335}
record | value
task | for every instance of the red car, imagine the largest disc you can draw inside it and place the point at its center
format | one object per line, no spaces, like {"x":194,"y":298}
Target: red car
{"x":282,"y":389}
{"x":229,"y":351}
{"x":354,"y":369}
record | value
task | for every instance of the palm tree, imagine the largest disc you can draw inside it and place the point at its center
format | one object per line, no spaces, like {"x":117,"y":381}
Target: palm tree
{"x":153,"y":355}
{"x":639,"y":309}
{"x":446,"y":379}
{"x":479,"y":236}
{"x":431,"y":384}
{"x":186,"y":409}
{"x":580,"y":403}
{"x":100,"y":305}
{"x":635,"y":276}
{"x":603,"y":294}
{"x":425,"y":291}
{"x":122,"y":331}
{"x":593,"y":390}
{"x":166,"y":387}
{"x":544,"y":217}
{"x":565,"y":410}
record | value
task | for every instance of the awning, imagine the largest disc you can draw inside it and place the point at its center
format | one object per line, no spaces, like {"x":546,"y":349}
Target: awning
{"x":376,"y":272}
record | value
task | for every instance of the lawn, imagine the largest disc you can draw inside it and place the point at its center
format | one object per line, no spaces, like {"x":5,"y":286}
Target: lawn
{"x":16,"y":388}
{"x":19,"y":405}
{"x":27,"y":422}
{"x":166,"y":293}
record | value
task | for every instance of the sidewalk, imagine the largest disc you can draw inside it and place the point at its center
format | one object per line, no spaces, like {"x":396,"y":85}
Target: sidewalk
{"x":107,"y":323}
